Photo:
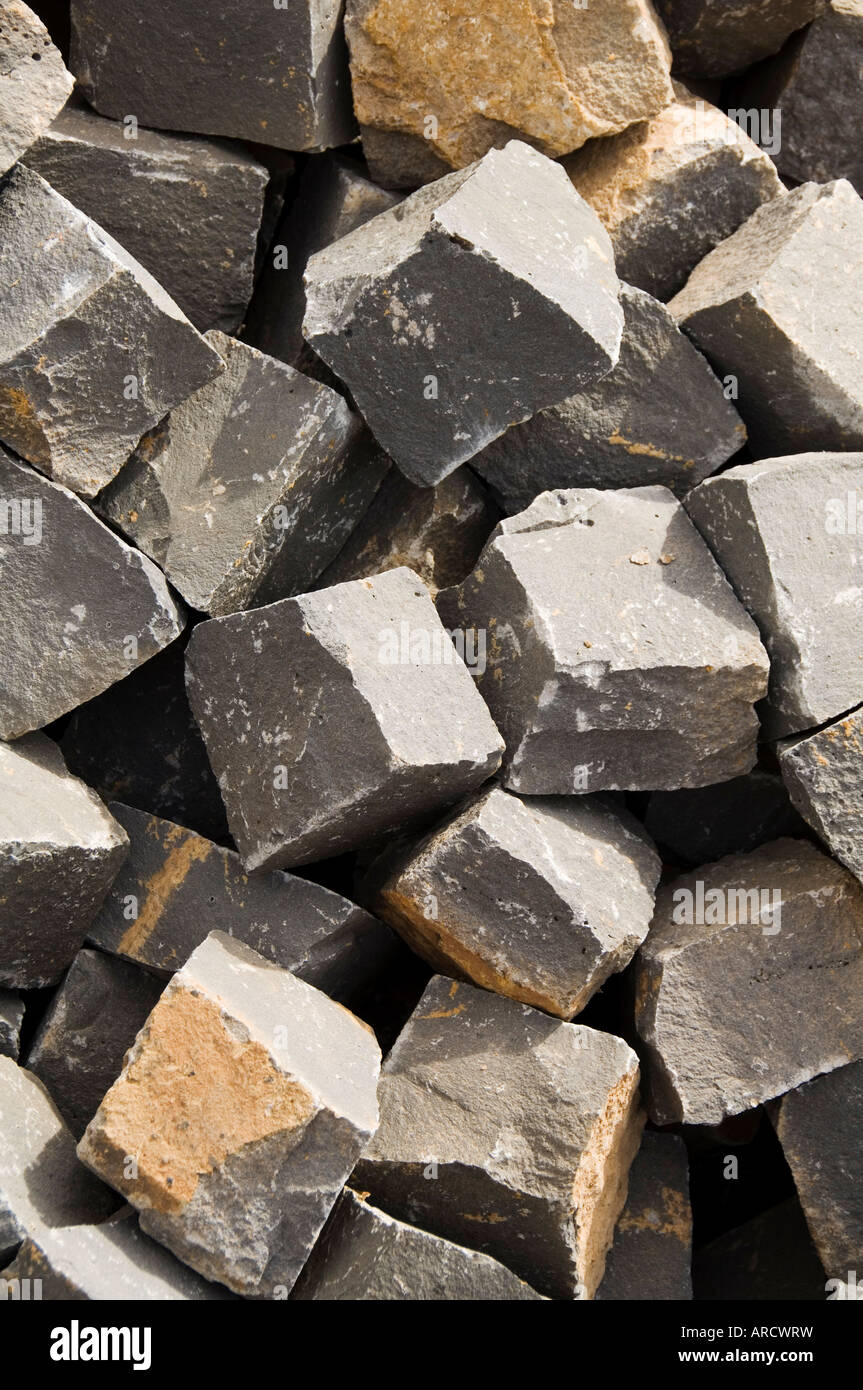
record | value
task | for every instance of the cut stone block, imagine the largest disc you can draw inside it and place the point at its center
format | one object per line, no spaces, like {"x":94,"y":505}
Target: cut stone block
{"x":11,"y":1018}
{"x":61,"y":851}
{"x":41,"y":1181}
{"x":822,"y":772}
{"x":246,"y":490}
{"x":509,"y":237}
{"x":819,"y":1126}
{"x":652,"y":1252}
{"x":437,"y":532}
{"x":34,"y":83}
{"x":435,"y":88}
{"x":619,"y":657}
{"x":670,"y":189}
{"x":93,"y":1018}
{"x":79,"y":609}
{"x":779,"y":306}
{"x":779,"y":530}
{"x":138,"y":743}
{"x":770,"y":1258}
{"x":278,"y":76}
{"x":750,"y":982}
{"x":509,"y":1132}
{"x":712,"y":38}
{"x":333,"y":199}
{"x":335,"y":718}
{"x":365,"y":1255}
{"x":541,"y":900}
{"x":188,"y":210}
{"x":660,"y":416}
{"x":708,"y":823}
{"x":246,"y":1100}
{"x":93,"y":352}
{"x":175,"y":887}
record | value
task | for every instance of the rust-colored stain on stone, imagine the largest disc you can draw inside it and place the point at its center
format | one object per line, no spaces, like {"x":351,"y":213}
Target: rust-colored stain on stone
{"x":671,"y":1217}
{"x":185,"y":849}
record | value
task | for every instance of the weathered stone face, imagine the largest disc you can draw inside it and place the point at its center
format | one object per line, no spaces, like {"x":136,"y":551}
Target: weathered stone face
{"x":280,"y":77}
{"x":246,"y":1100}
{"x":779,"y":306}
{"x":79,"y":608}
{"x":712,"y":38}
{"x":652,"y":1252}
{"x":784,"y":532}
{"x":436,"y":88}
{"x":749,"y":982}
{"x":822,"y":772}
{"x":732,"y":817}
{"x":385,"y":308}
{"x":540,"y":899}
{"x":59,"y":853}
{"x":507,"y":1131}
{"x":335,"y":718}
{"x":34,"y":83}
{"x":618,"y":657}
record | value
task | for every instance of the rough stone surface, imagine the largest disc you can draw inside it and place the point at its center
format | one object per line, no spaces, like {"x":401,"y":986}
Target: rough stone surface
{"x":335,"y":718}
{"x":34,"y":83}
{"x":554,"y":74}
{"x":61,"y":851}
{"x":659,"y":416}
{"x":619,"y":657}
{"x":79,"y":1047}
{"x":540,"y":900}
{"x":279,"y":76}
{"x":781,"y":533}
{"x":189,"y":210}
{"x":760,"y":990}
{"x":437,"y":532}
{"x":770,"y":1258}
{"x":822,"y":772}
{"x":706,"y":823}
{"x":670,"y":189}
{"x":246,"y":1099}
{"x":93,"y":352}
{"x":779,"y":305}
{"x":175,"y":887}
{"x":509,"y":1132}
{"x":712,"y":38}
{"x":386,"y":308}
{"x":79,"y":609}
{"x":363,"y":1254}
{"x":246,"y":490}
{"x":41,"y":1181}
{"x":652,"y":1251}
{"x":11,"y":1018}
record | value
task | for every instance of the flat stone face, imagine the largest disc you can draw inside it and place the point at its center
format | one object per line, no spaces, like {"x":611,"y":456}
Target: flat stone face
{"x":363,"y":1254}
{"x":176,"y":887}
{"x":707,"y":823}
{"x":79,"y":608}
{"x":822,"y":772}
{"x":386,"y":308}
{"x":438,"y":532}
{"x":750,"y":982}
{"x":660,"y":416}
{"x":93,"y":1018}
{"x":246,"y":1100}
{"x":60,"y":851}
{"x":41,"y":1181}
{"x":34,"y":83}
{"x":11,"y":1018}
{"x":712,"y":38}
{"x":246,"y":490}
{"x":507,"y":1131}
{"x":540,"y":900}
{"x":819,"y":1127}
{"x":280,"y":77}
{"x":780,"y":306}
{"x":188,"y":209}
{"x":93,"y":352}
{"x":555,"y":74}
{"x":670,"y":189}
{"x":652,"y":1252}
{"x":335,"y":718}
{"x":784,"y":532}
{"x":618,"y":656}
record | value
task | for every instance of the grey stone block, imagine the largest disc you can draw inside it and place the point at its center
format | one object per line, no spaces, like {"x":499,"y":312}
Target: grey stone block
{"x":34,"y":83}
{"x":651,"y":1256}
{"x":706,"y":823}
{"x":712,"y":38}
{"x":822,"y":772}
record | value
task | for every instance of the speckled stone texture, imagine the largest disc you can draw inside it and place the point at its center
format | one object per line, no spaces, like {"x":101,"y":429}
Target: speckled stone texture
{"x":34,"y":83}
{"x":823,"y":772}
